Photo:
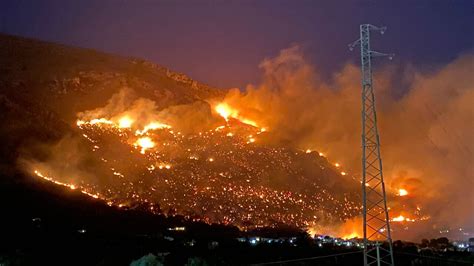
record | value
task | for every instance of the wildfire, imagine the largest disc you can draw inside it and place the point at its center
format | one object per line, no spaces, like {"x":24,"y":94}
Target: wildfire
{"x":71,"y":186}
{"x":402,"y":218}
{"x":351,"y":236}
{"x":100,"y":121}
{"x":402,"y":192}
{"x":152,"y":126}
{"x":224,"y":110}
{"x":145,"y":143}
{"x":144,"y":136}
{"x":125,"y":122}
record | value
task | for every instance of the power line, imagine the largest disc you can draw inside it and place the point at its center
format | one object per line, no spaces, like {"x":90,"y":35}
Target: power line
{"x":310,"y":258}
{"x":433,"y":258}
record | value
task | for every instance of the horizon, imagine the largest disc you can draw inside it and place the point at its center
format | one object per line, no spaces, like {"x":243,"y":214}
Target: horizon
{"x":247,"y":32}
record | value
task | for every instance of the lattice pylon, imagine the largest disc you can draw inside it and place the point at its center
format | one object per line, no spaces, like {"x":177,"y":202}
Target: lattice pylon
{"x":376,"y":226}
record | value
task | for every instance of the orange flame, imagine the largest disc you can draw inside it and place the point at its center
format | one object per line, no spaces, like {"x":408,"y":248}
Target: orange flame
{"x":145,"y":143}
{"x":125,"y":122}
{"x":224,"y":110}
{"x":402,"y":192}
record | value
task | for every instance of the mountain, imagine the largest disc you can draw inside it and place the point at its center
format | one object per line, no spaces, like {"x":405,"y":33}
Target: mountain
{"x":138,"y":135}
{"x":44,"y":85}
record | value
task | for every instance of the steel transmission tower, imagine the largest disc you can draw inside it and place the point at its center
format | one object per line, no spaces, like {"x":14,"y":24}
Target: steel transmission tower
{"x":375,"y":213}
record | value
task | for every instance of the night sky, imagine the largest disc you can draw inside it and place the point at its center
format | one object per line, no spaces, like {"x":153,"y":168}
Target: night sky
{"x":222,"y":42}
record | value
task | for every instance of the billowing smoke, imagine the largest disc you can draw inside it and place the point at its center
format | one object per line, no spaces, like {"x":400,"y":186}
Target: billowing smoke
{"x":426,"y":129}
{"x":426,"y":133}
{"x":187,"y":118}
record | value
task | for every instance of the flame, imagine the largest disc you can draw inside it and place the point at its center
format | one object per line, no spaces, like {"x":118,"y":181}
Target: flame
{"x":224,"y":110}
{"x":100,"y":121}
{"x":351,"y":235}
{"x":125,"y":122}
{"x":402,"y":218}
{"x":248,"y":122}
{"x":71,"y":186}
{"x":349,"y":229}
{"x":145,"y":143}
{"x":152,"y":126}
{"x":402,"y":192}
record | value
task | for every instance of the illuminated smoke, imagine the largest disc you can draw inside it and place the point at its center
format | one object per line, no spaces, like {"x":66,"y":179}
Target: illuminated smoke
{"x":426,"y":133}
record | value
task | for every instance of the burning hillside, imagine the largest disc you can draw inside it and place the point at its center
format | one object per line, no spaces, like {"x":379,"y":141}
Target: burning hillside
{"x":227,"y":174}
{"x":135,"y":134}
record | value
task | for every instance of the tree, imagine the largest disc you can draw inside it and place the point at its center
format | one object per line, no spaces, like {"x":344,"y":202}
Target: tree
{"x":424,"y":243}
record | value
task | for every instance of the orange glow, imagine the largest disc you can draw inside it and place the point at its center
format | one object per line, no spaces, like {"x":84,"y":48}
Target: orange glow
{"x":402,"y":192}
{"x":71,"y":186}
{"x":125,"y":122}
{"x":145,"y":143}
{"x":224,"y":110}
{"x":402,"y":218}
{"x":248,"y":122}
{"x":152,"y":126}
{"x":351,"y":235}
{"x":337,"y":164}
{"x":100,"y":121}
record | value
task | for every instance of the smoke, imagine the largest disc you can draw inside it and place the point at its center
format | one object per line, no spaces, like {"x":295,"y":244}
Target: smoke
{"x":187,"y":118}
{"x":426,"y":127}
{"x":68,"y":158}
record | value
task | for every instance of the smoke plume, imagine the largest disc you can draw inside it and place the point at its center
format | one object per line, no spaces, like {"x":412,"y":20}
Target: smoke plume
{"x":426,"y":133}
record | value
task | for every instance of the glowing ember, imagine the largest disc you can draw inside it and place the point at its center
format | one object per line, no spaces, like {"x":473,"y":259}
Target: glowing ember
{"x":125,"y":122}
{"x":145,"y":143}
{"x":343,"y":173}
{"x":337,"y":164}
{"x":402,"y":192}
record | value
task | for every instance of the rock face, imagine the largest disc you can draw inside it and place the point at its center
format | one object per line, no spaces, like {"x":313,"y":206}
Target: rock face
{"x":44,"y":85}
